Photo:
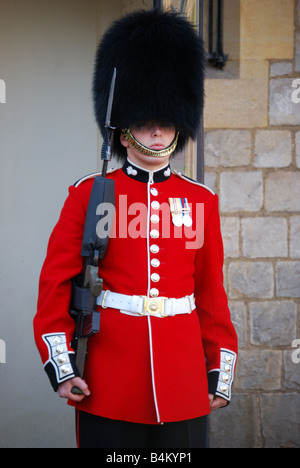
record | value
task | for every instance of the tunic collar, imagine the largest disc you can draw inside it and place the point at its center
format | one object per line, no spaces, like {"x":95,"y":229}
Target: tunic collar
{"x":142,"y":175}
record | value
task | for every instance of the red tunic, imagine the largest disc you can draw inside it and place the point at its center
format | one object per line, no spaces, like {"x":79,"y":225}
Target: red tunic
{"x":143,"y":369}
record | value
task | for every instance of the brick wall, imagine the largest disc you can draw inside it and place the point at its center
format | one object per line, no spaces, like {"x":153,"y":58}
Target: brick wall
{"x":253,"y":163}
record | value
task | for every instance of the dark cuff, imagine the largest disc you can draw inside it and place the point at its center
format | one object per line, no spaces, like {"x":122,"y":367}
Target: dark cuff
{"x":59,"y":374}
{"x":220,"y":381}
{"x":213,"y":378}
{"x":61,"y":365}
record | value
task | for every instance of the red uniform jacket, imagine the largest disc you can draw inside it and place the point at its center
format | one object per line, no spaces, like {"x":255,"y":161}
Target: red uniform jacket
{"x":143,"y":369}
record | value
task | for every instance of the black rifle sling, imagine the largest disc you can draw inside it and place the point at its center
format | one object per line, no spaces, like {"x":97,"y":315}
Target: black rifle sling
{"x":98,"y":223}
{"x":99,"y":218}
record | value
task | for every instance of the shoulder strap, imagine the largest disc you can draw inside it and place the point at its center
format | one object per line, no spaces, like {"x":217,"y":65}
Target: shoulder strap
{"x":93,"y":175}
{"x":191,"y":181}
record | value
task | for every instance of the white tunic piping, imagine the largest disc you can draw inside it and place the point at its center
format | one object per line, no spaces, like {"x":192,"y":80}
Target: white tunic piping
{"x":150,"y":182}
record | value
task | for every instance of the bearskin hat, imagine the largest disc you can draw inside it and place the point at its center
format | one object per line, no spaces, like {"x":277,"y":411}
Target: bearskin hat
{"x":160,"y":62}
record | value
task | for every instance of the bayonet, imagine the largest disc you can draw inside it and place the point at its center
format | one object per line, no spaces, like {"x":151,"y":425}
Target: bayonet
{"x":111,"y":100}
{"x":106,"y":148}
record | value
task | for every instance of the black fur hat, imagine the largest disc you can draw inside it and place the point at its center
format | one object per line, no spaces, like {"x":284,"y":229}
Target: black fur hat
{"x":160,"y":63}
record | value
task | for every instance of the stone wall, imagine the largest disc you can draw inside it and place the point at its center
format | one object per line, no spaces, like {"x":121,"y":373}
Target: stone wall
{"x":253,"y":163}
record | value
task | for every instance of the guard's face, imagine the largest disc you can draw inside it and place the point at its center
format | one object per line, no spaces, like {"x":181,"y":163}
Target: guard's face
{"x":154,"y":137}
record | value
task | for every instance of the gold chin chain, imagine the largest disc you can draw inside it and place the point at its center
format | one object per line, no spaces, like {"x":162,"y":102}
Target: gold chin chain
{"x":147,"y":151}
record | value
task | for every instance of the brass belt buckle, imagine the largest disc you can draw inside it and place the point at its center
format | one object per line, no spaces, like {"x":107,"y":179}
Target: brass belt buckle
{"x":155,"y":306}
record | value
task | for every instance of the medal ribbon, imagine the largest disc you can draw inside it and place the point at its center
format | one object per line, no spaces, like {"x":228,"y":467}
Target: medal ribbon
{"x":180,"y":206}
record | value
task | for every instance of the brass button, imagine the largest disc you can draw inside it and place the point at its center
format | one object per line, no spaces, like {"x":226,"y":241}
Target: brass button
{"x":155,"y":205}
{"x":62,"y":359}
{"x":66,"y":369}
{"x":154,"y":234}
{"x":224,"y":388}
{"x":154,"y":249}
{"x":154,"y":292}
{"x":226,"y":378}
{"x":155,"y":278}
{"x":155,"y":219}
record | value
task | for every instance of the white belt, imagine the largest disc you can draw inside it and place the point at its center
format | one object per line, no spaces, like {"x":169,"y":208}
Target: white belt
{"x":143,"y":306}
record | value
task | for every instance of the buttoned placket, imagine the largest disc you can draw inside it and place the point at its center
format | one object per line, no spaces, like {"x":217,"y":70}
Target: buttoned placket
{"x":151,"y":178}
{"x":153,"y":235}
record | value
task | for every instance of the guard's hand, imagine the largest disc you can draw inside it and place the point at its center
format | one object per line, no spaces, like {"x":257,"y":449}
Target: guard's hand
{"x":64,"y":390}
{"x":216,"y":402}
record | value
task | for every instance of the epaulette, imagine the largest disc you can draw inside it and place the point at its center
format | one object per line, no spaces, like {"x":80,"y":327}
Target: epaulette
{"x":191,"y":181}
{"x":91,"y":176}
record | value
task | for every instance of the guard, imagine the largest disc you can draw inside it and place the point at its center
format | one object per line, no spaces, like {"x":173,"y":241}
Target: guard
{"x":166,"y":352}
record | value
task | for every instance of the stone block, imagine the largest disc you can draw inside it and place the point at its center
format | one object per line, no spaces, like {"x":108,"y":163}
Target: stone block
{"x":295,"y":237}
{"x":273,"y":148}
{"x":239,"y":320}
{"x":251,"y":279}
{"x":282,"y":191}
{"x":241,"y":103}
{"x":264,"y":33}
{"x":265,"y":237}
{"x":280,"y":419}
{"x":273,"y":323}
{"x":283,"y":111}
{"x":281,"y":68}
{"x":228,"y":428}
{"x":231,"y":236}
{"x":297,"y":51}
{"x":228,"y":148}
{"x":210,"y":179}
{"x":288,"y":279}
{"x":259,"y":370}
{"x":241,"y":191}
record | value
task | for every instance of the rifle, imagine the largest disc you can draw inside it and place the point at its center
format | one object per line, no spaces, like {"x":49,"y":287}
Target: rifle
{"x":88,"y":286}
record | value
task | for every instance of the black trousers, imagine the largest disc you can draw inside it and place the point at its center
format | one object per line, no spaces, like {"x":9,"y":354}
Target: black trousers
{"x":97,"y":432}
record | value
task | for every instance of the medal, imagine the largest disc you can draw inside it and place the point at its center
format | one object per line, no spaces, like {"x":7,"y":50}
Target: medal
{"x":177,"y":220}
{"x":180,"y":212}
{"x":187,"y":220}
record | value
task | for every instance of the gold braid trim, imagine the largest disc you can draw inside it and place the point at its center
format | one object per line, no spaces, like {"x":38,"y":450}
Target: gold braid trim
{"x":147,"y":151}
